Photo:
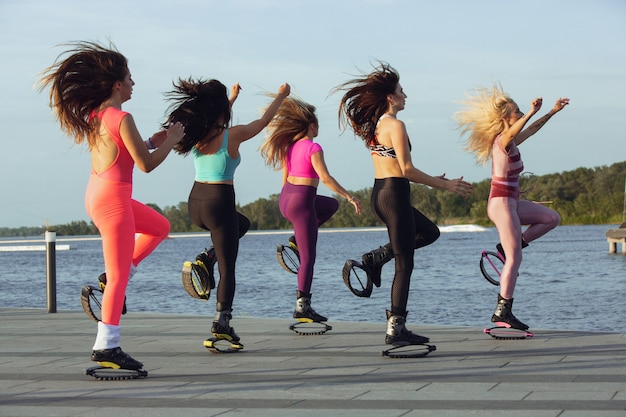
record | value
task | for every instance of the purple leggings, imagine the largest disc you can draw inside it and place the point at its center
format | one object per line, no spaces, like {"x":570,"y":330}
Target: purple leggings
{"x":306,"y":211}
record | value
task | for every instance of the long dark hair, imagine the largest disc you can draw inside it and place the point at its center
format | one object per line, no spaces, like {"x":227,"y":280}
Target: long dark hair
{"x":202,"y":107}
{"x":80,"y":80}
{"x":365,"y":100}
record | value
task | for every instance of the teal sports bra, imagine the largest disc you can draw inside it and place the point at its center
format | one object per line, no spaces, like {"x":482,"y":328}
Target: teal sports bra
{"x":215,"y":167}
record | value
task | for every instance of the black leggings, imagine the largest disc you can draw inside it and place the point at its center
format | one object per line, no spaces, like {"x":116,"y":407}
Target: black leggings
{"x":408,"y":230}
{"x":212,"y":207}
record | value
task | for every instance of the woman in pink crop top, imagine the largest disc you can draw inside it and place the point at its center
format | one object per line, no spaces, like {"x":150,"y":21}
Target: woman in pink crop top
{"x":290,"y":147}
{"x":87,"y":89}
{"x":204,"y":108}
{"x":496,"y":128}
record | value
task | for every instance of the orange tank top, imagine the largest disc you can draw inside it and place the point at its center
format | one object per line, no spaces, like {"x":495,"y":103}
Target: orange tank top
{"x":121,"y":169}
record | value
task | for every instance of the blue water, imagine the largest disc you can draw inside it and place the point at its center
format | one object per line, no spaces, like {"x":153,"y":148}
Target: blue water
{"x":568,"y":280}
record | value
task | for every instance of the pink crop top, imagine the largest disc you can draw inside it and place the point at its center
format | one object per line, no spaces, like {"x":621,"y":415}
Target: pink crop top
{"x":299,"y":158}
{"x":121,"y":170}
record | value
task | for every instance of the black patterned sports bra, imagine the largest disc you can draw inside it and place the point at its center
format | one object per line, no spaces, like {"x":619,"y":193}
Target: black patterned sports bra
{"x":382,"y":150}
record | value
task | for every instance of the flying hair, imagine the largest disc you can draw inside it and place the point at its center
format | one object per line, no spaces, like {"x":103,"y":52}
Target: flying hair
{"x":481,"y":118}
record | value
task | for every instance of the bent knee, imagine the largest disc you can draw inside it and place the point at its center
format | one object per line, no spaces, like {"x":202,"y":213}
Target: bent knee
{"x":555,"y":220}
{"x":435,"y":234}
{"x":163,"y":228}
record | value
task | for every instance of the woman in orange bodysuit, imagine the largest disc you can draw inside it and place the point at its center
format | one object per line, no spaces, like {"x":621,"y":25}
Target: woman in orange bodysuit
{"x":88,"y":85}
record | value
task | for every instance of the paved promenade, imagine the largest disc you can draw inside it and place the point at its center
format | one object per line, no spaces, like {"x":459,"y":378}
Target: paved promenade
{"x":341,"y":373}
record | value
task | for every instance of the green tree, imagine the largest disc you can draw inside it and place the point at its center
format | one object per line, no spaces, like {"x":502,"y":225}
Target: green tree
{"x":581,"y":196}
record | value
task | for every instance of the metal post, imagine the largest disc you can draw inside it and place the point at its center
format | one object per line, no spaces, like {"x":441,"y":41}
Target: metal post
{"x":624,"y":212}
{"x":51,"y":271}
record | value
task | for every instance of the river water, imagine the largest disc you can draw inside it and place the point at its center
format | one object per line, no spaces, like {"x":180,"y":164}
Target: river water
{"x":568,"y":280}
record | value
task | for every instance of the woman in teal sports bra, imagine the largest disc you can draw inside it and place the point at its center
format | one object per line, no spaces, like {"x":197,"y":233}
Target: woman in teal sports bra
{"x":203,"y":107}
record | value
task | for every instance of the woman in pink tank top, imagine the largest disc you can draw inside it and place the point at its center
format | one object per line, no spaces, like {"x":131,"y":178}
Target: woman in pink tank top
{"x":290,"y":147}
{"x":88,"y":85}
{"x":496,"y":128}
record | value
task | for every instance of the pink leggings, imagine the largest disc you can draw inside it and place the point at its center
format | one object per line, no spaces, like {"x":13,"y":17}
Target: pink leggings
{"x":118,"y":218}
{"x":509,"y":214}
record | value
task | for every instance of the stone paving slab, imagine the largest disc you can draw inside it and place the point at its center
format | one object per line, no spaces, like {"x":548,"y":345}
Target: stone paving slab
{"x":341,"y":373}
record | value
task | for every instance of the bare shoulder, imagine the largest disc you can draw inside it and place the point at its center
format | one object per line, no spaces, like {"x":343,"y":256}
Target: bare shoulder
{"x":391,"y":126}
{"x":237,"y":133}
{"x":391,"y":123}
{"x":241,"y":133}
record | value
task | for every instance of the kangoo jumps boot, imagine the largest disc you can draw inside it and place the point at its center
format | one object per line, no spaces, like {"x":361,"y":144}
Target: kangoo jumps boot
{"x":102,"y":282}
{"x":398,"y":334}
{"x":375,"y":260}
{"x":292,"y":243}
{"x":208,"y":258}
{"x":221,"y":325}
{"x":304,"y":311}
{"x":500,"y":249}
{"x":503,"y":314}
{"x":107,"y":352}
{"x":115,"y":358}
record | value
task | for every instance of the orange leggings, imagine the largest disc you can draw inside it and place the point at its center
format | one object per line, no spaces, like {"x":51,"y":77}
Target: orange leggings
{"x":119,"y":218}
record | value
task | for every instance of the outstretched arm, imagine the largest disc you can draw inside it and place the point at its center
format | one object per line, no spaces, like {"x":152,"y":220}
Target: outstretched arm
{"x":538,"y":124}
{"x":400,"y":143}
{"x":317,"y":160}
{"x":144,"y":159}
{"x":241,"y":133}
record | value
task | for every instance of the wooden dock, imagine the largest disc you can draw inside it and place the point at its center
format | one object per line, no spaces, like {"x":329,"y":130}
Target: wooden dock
{"x":280,"y":374}
{"x":615,"y":236}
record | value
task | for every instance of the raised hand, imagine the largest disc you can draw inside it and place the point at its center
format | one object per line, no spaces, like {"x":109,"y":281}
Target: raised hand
{"x":284,"y":90}
{"x":560,"y":104}
{"x":535,"y":105}
{"x":234,"y":93}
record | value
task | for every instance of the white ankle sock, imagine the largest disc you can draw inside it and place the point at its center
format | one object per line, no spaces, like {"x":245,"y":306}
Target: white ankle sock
{"x":108,"y":336}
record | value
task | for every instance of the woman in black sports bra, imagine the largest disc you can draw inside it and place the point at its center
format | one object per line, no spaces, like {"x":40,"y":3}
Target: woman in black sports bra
{"x":370,"y":105}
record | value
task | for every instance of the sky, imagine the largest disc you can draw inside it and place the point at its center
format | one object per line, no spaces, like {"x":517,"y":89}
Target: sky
{"x":442,"y":49}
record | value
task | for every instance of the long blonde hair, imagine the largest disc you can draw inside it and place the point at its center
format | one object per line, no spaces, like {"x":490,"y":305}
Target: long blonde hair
{"x":290,"y":124}
{"x":482,"y":117}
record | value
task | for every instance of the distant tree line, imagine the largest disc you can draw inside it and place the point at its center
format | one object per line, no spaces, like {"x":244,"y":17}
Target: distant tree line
{"x":581,"y":196}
